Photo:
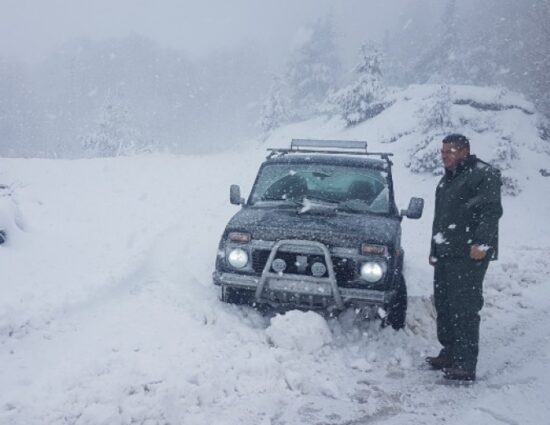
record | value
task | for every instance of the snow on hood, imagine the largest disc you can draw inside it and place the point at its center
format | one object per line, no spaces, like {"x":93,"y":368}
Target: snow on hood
{"x":342,"y":229}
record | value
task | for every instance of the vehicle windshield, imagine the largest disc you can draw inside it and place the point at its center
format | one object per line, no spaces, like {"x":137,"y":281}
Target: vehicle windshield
{"x":340,"y":187}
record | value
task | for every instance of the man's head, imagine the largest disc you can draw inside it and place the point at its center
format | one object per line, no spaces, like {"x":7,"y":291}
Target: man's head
{"x":455,"y":149}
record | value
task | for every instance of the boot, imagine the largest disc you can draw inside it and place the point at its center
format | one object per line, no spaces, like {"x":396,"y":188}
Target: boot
{"x":459,"y":374}
{"x":439,"y":362}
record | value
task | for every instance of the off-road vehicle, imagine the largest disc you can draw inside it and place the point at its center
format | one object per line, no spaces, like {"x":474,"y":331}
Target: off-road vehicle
{"x":320,"y":230}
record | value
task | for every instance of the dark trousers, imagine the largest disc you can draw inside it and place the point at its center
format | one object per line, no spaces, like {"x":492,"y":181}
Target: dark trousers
{"x":458,"y":296}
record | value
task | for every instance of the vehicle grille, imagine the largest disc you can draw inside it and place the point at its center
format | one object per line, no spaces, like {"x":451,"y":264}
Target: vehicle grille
{"x":344,"y":268}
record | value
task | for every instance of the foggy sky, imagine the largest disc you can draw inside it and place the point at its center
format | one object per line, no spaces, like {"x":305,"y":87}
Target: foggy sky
{"x":31,"y":29}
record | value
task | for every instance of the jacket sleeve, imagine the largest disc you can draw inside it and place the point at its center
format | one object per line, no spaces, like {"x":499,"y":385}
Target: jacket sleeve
{"x":487,"y":208}
{"x":432,"y":242}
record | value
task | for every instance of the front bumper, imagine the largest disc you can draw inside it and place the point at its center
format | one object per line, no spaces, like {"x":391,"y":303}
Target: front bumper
{"x":303,"y":292}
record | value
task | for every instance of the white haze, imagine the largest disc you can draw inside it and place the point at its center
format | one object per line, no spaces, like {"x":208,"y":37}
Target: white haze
{"x":191,"y":76}
{"x":31,"y":29}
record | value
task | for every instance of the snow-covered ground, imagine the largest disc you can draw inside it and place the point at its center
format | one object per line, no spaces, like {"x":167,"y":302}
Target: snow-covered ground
{"x":108,"y":314}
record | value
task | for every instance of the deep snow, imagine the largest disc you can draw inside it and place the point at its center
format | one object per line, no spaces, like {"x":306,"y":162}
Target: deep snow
{"x":108,"y":314}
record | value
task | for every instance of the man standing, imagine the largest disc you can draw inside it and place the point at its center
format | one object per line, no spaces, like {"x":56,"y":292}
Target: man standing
{"x":464,"y":240}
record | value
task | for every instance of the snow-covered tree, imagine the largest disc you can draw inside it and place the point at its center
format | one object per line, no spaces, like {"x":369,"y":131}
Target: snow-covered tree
{"x":274,"y":110}
{"x":437,"y":116}
{"x":357,"y":102}
{"x":436,"y":122}
{"x":114,"y":134}
{"x":17,"y":114}
{"x":443,"y":58}
{"x":538,"y":59}
{"x":494,"y":42}
{"x":425,"y":156}
{"x":312,"y":69}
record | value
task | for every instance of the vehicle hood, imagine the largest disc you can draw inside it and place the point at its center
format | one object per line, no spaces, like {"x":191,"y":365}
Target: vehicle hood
{"x":341,"y":229}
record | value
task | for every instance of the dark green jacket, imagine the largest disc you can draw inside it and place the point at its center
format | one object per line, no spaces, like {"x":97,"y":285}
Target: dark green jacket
{"x":467,"y":210}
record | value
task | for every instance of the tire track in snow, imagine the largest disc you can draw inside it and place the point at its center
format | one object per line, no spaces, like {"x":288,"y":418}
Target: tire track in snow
{"x":229,"y":384}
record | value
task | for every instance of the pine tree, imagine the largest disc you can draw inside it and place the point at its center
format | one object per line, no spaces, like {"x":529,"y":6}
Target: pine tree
{"x":17,"y":120}
{"x":515,"y":48}
{"x":539,"y":54}
{"x":356,"y":100}
{"x":312,"y":69}
{"x":443,"y":61}
{"x":436,"y":121}
{"x":494,"y":42}
{"x":114,"y":135}
{"x":438,"y":116}
{"x":274,"y":111}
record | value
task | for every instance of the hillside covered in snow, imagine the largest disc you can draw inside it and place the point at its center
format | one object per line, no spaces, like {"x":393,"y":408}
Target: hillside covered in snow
{"x":108,"y":314}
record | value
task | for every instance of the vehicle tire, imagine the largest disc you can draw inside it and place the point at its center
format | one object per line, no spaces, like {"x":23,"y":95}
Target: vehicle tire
{"x":237,"y":296}
{"x":398,"y":308}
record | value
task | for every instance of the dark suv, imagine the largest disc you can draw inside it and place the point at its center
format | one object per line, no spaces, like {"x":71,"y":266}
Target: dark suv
{"x":320,"y":230}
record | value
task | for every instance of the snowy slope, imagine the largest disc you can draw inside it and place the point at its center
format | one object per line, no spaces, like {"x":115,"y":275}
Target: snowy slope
{"x":108,"y":314}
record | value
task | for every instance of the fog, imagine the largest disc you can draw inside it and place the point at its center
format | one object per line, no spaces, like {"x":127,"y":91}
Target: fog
{"x":33,"y":28}
{"x":190,"y":76}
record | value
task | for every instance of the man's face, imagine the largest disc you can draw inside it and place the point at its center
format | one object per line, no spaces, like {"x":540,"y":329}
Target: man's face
{"x":452,"y":155}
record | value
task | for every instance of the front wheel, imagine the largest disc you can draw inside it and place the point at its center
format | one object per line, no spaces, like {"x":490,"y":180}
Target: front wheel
{"x":398,"y":307}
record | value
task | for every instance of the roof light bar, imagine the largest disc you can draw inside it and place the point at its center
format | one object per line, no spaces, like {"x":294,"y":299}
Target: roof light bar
{"x":330,"y":147}
{"x":296,"y":144}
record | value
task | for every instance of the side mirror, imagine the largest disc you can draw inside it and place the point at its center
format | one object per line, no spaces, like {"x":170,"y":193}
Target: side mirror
{"x":235,"y":195}
{"x":416,"y":206}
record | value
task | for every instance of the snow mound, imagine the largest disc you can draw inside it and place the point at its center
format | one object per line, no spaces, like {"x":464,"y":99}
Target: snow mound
{"x":296,"y":330}
{"x":12,"y":221}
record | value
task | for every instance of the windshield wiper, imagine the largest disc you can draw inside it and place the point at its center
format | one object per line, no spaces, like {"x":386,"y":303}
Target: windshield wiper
{"x":321,"y":199}
{"x":289,"y":201}
{"x":354,"y":206}
{"x":362,"y":207}
{"x":312,"y":204}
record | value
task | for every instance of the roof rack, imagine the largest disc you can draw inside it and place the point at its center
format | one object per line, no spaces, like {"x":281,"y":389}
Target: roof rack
{"x":345,"y":147}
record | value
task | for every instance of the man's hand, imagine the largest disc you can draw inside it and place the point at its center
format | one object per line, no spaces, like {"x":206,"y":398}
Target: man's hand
{"x":478,"y":252}
{"x":432,"y":260}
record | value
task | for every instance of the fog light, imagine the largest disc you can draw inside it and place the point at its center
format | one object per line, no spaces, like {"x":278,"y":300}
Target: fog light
{"x":278,"y":265}
{"x":318,"y":269}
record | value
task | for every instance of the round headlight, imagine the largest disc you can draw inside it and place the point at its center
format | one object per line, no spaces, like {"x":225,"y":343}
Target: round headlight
{"x":238,"y":258}
{"x":372,"y":272}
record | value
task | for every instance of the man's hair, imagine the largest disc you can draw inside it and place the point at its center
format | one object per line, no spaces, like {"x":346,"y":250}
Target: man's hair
{"x":458,"y":139}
